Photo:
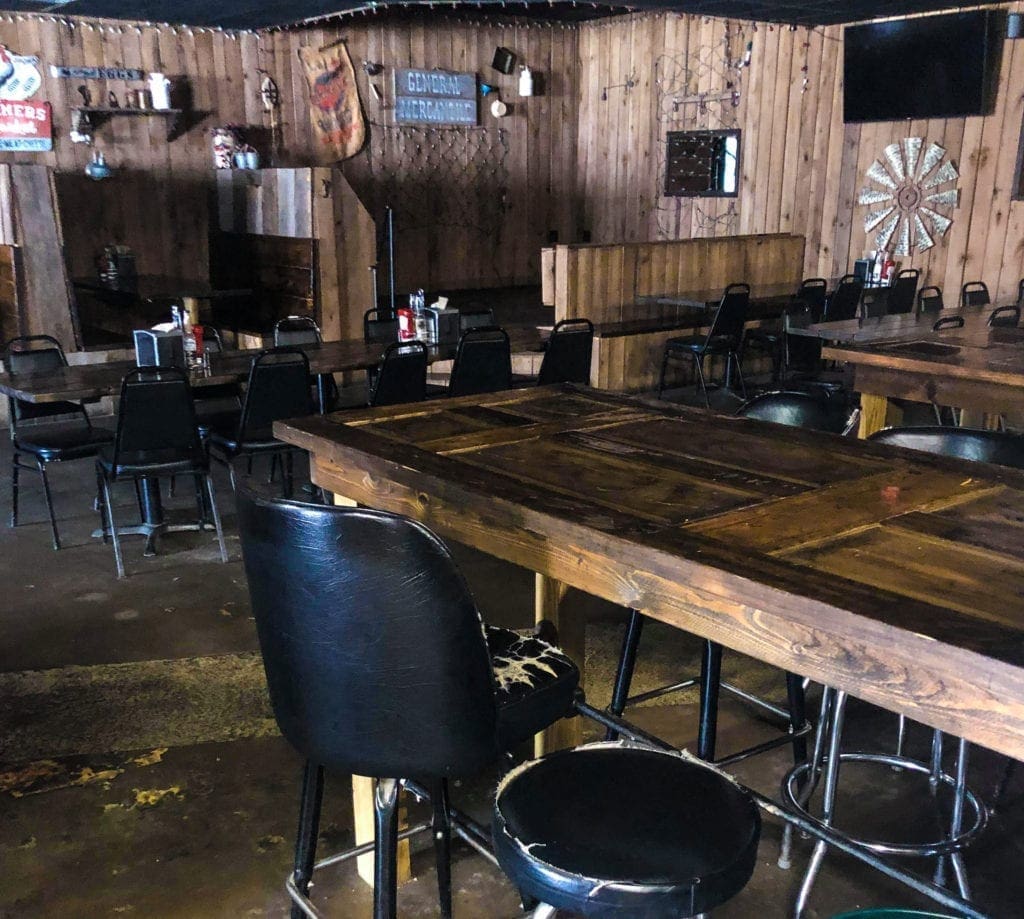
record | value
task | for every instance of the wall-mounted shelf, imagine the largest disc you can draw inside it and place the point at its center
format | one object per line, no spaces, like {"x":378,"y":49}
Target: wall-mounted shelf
{"x":177,"y":122}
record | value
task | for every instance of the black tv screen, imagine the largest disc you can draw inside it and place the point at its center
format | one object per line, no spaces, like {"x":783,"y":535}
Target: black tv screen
{"x":930,"y":67}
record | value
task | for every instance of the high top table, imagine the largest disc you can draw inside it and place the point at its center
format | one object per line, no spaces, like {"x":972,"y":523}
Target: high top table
{"x":977,"y":369}
{"x":891,"y":574}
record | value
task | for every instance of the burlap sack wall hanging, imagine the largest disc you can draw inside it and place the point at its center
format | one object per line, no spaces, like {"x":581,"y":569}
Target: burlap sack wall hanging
{"x":337,"y":118}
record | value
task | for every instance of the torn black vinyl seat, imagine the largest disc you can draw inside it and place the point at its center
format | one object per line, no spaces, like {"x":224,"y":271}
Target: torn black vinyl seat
{"x":619,"y":830}
{"x":379,"y":664}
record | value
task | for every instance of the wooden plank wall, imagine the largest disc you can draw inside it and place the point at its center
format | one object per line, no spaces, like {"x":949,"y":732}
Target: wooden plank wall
{"x":602,"y":282}
{"x":158,"y":202}
{"x":801,"y":167}
{"x":506,"y":212}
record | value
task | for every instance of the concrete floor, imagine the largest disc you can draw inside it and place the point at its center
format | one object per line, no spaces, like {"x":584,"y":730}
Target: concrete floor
{"x":141,"y":774}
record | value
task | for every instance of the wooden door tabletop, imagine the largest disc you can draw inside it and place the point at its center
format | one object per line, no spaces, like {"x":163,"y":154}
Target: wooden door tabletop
{"x":89,"y":381}
{"x":894,"y":575}
{"x":900,"y":325}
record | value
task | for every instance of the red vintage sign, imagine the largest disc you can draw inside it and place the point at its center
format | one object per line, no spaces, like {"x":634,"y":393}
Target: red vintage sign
{"x":26,"y":126}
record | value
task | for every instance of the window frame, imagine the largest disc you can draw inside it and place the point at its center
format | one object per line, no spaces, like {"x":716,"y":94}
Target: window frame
{"x":670,"y":138}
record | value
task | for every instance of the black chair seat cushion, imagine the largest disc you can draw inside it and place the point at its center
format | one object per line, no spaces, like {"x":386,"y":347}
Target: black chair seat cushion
{"x":146,"y":463}
{"x":611,"y":829}
{"x":719,"y":344}
{"x":535,"y":681}
{"x":226,"y":439}
{"x":56,"y":442}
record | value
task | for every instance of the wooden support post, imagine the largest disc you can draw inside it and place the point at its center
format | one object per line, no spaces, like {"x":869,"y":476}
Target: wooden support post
{"x":876,"y":412}
{"x":550,"y":603}
{"x":362,"y":804}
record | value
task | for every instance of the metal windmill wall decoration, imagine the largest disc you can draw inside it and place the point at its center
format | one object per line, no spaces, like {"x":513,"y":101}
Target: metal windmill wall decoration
{"x":909,"y":203}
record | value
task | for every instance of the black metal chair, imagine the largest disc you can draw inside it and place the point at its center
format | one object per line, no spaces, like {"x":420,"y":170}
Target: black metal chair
{"x":156,"y":436}
{"x":379,"y":326}
{"x":974,"y":293}
{"x":948,"y":322}
{"x":293,"y":331}
{"x":902,"y":291}
{"x":378,"y":664}
{"x":845,"y":298}
{"x":1004,"y":317}
{"x":278,"y":388}
{"x":968,"y":814}
{"x":483,"y":362}
{"x":568,"y":353}
{"x":725,"y":337}
{"x":929,"y":300}
{"x":874,"y":302}
{"x":402,"y":375}
{"x":49,"y":432}
{"x":812,"y":293}
{"x":610,"y":830}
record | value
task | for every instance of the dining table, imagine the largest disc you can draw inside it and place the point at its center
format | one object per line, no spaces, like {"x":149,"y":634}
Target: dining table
{"x":892,"y":575}
{"x":977,"y":369}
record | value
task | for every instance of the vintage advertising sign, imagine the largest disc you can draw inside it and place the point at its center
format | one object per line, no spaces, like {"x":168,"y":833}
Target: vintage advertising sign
{"x":96,"y":73}
{"x":20,"y":78}
{"x":26,"y":126}
{"x":335,"y":113}
{"x":434,"y":97}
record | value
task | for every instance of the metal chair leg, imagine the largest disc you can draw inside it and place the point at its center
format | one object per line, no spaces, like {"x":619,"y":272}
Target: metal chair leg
{"x":309,"y":827}
{"x":828,"y":801}
{"x":14,"y":490}
{"x":627,"y":663}
{"x":797,"y":715}
{"x":49,"y":503}
{"x":101,"y":507}
{"x":216,"y":517}
{"x":441,"y":826}
{"x":957,"y":817}
{"x":385,"y":867}
{"x":698,"y":359}
{"x":710,"y":685}
{"x":739,"y":372}
{"x":113,"y":528}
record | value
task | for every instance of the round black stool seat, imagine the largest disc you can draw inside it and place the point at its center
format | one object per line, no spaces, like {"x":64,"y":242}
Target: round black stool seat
{"x":612,"y":829}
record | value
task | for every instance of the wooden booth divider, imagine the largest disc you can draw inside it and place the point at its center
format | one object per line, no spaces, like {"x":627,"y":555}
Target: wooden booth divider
{"x":604,"y":283}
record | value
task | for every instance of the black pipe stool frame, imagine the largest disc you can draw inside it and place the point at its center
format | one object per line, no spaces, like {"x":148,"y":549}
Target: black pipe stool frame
{"x":478,"y":837}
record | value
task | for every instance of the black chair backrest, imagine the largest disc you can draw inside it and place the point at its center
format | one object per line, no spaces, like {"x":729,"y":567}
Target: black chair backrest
{"x":1020,"y":292}
{"x":874,"y":302}
{"x":36,"y":354}
{"x":483,"y":362}
{"x":797,"y":409}
{"x":156,"y":420}
{"x":296,"y":330}
{"x":902,"y":290}
{"x":379,"y":326}
{"x":278,"y":388}
{"x":402,"y":376}
{"x":974,"y":293}
{"x":475,"y":319}
{"x":813,"y":292}
{"x":996,"y":447}
{"x":373,"y":648}
{"x":948,"y":322}
{"x":844,"y":300}
{"x":929,"y":300}
{"x":731,"y":316}
{"x":802,"y":352}
{"x":1004,"y":317}
{"x":568,"y":353}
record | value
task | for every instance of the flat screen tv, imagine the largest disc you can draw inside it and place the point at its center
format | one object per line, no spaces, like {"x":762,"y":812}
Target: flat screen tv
{"x":929,"y":67}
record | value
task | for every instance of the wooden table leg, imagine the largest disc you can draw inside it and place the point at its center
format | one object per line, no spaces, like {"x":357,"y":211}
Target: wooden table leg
{"x":549,"y":603}
{"x":362,"y":804}
{"x":877,"y":412}
{"x":975,"y":418}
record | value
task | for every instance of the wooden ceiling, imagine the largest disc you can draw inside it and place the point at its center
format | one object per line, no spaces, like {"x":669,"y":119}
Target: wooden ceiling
{"x":256,"y":14}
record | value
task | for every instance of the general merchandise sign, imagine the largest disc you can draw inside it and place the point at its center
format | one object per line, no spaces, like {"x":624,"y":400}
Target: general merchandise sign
{"x":434,"y":97}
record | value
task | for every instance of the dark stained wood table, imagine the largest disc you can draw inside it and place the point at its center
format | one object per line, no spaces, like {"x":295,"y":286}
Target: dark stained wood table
{"x":890,"y":574}
{"x":977,"y":369}
{"x":89,"y":381}
{"x":887,"y":573}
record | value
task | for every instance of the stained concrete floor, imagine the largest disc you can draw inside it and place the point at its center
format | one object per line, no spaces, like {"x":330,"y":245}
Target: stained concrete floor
{"x":141,"y":774}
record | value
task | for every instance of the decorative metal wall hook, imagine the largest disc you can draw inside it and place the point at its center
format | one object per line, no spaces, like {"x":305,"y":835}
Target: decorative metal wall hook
{"x":627,"y":86}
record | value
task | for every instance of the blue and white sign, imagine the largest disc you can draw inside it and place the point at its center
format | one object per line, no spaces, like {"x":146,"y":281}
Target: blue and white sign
{"x":435,"y":97}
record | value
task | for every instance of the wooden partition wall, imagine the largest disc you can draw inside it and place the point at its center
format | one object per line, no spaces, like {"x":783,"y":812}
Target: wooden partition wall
{"x":603,"y":282}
